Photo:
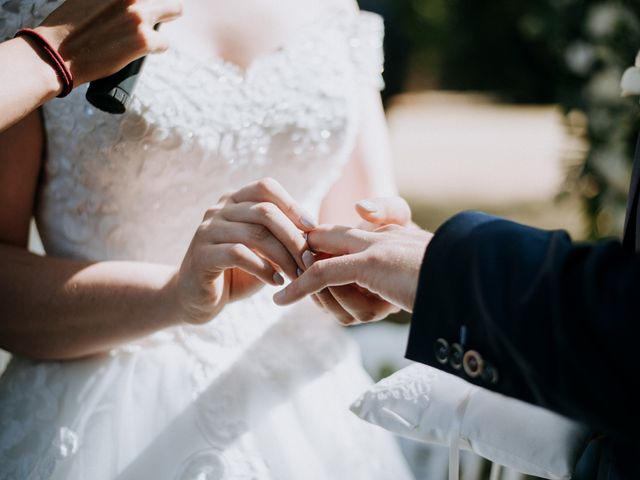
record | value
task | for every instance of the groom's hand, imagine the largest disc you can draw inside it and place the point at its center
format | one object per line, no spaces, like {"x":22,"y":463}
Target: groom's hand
{"x":386,"y":263}
{"x":351,"y":304}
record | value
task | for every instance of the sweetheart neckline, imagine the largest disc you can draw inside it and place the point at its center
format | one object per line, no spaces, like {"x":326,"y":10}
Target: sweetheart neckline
{"x":214,"y":62}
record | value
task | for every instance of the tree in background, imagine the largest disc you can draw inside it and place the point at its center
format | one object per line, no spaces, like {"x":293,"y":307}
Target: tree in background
{"x":606,"y":42}
{"x":568,"y":52}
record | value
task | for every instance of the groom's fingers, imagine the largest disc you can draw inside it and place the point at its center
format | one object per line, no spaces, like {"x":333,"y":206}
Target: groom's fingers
{"x":331,"y":305}
{"x":385,"y":211}
{"x":360,"y":305}
{"x":322,"y":274}
{"x":337,"y":240}
{"x":269,"y":190}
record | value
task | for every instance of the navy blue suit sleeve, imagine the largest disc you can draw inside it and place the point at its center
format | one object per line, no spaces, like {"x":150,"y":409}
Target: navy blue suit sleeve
{"x":558,"y":321}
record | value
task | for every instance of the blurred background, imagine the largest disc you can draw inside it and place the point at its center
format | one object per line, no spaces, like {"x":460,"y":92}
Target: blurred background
{"x":509,"y":107}
{"x":513,"y":108}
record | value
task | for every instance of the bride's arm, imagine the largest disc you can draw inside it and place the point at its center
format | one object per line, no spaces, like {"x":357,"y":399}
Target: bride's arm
{"x":62,"y":309}
{"x":54,"y":308}
{"x":93,"y":42}
{"x":369,"y":173}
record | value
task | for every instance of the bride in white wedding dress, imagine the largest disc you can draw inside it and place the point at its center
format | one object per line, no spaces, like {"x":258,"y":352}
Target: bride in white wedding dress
{"x":102,"y":385}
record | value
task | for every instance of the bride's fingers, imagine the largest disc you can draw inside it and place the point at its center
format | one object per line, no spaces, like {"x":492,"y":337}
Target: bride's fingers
{"x":269,"y":190}
{"x":384,"y":211}
{"x":271,"y":217}
{"x":322,"y":274}
{"x":218,"y":258}
{"x":256,"y":237}
{"x":337,"y":240}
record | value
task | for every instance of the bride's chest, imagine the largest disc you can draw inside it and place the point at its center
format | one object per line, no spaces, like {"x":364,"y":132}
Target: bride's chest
{"x":291,"y":114}
{"x":305,"y":89}
{"x":293,"y":103}
{"x":243,"y":31}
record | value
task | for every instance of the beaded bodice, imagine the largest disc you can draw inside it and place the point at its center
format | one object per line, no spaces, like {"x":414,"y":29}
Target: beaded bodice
{"x":136,"y":186}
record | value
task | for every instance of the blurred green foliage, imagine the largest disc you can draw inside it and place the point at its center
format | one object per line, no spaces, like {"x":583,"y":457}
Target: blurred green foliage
{"x":568,"y":52}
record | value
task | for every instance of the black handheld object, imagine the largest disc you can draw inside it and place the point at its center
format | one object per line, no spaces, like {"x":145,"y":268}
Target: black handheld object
{"x":113,"y":93}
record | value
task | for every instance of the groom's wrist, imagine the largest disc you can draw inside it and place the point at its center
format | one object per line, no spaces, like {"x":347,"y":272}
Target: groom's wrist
{"x":444,"y":269}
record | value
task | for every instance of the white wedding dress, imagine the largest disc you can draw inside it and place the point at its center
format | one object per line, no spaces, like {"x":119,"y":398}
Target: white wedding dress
{"x":261,"y":392}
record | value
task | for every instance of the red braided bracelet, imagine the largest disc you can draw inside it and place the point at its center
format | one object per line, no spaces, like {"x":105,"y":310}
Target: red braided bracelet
{"x":56,"y":61}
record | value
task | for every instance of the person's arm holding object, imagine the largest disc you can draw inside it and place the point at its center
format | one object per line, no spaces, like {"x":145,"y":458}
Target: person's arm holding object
{"x":93,"y":38}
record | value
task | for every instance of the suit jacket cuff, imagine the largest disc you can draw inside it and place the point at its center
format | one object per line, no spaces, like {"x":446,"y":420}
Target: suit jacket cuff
{"x":437,"y":314}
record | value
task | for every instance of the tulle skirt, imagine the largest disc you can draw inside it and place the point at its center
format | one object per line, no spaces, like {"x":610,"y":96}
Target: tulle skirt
{"x":261,"y":393}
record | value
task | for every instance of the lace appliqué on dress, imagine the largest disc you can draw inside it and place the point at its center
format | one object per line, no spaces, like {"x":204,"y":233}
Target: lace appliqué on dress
{"x":135,"y":187}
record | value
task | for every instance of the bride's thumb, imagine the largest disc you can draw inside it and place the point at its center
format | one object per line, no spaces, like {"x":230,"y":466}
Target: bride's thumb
{"x":384,"y":211}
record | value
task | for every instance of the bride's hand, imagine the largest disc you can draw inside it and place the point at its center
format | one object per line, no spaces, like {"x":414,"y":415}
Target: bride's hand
{"x":244,"y":242}
{"x":351,"y":304}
